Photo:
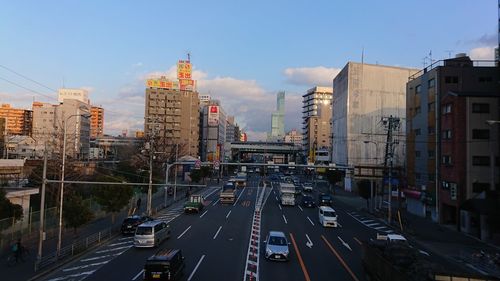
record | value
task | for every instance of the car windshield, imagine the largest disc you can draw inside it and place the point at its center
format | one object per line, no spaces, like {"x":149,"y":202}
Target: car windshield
{"x":279,"y":241}
{"x":329,"y":214}
{"x":325,"y":197}
{"x":144,"y":230}
{"x":307,"y":198}
{"x":130,"y":220}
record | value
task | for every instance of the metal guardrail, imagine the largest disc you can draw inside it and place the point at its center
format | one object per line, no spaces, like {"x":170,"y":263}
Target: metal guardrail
{"x":76,"y":247}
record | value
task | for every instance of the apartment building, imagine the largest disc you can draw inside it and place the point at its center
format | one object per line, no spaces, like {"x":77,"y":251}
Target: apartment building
{"x":96,"y":122}
{"x":315,"y":100}
{"x":18,"y":121}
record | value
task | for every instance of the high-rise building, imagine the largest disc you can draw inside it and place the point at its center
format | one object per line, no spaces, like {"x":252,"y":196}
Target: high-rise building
{"x":204,"y":100}
{"x":364,"y":95}
{"x":278,"y":118}
{"x":213,"y":136}
{"x":96,"y":122}
{"x":452,"y":151}
{"x":172,"y":117}
{"x":50,"y":122}
{"x":19,"y":121}
{"x":315,"y":101}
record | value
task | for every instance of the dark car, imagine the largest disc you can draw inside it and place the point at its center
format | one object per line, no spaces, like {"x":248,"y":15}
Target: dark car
{"x":130,"y":224}
{"x":165,"y":265}
{"x":325,"y":200}
{"x":308,"y":201}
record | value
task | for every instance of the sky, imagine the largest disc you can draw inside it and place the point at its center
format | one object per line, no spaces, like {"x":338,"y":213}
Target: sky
{"x":243,"y":52}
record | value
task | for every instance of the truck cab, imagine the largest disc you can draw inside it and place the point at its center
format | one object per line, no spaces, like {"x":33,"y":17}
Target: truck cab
{"x":194,"y":204}
{"x":228,"y":193}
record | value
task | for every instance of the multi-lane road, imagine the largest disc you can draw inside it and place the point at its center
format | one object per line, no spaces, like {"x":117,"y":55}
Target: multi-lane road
{"x":216,"y":242}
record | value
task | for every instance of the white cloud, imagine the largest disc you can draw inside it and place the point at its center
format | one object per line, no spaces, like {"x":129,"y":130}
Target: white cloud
{"x":482,"y":53}
{"x":311,"y":76}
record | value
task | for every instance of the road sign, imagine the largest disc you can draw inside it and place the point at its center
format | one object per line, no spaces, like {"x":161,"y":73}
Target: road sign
{"x":216,"y":164}
{"x":197,"y":164}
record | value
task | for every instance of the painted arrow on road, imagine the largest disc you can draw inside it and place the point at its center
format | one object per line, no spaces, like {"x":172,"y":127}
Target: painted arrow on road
{"x":309,"y":243}
{"x":344,"y":243}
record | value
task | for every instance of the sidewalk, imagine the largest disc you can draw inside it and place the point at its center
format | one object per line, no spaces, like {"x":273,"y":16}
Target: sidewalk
{"x":26,"y":270}
{"x":437,"y":239}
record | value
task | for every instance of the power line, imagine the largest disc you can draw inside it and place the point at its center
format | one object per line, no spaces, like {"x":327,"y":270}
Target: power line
{"x":26,"y":88}
{"x":27,"y":78}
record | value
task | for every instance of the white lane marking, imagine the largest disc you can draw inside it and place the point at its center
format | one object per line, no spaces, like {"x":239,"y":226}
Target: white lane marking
{"x":380,"y":227}
{"x":215,"y":190}
{"x":366,"y":221}
{"x":120,"y":243}
{"x":138,"y":274}
{"x":114,"y":249}
{"x":285,"y":219}
{"x":339,"y":225}
{"x":72,"y":275}
{"x":300,"y":208}
{"x":279,"y":205}
{"x":241,"y":193}
{"x":203,"y":214}
{"x":217,"y":233}
{"x":372,"y":224}
{"x":310,"y":221}
{"x":228,"y":214}
{"x":102,"y":257}
{"x":85,"y":266}
{"x":196,"y":268}
{"x":276,"y":198}
{"x":184,"y":232}
{"x":309,"y":242}
{"x":215,"y":203}
{"x":344,"y":243}
{"x":126,"y":238}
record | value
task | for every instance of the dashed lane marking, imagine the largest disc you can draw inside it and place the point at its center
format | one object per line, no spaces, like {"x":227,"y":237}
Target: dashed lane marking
{"x":203,"y":214}
{"x":310,"y":221}
{"x":196,"y":268}
{"x":228,"y":214}
{"x":184,"y":232}
{"x":279,"y":205}
{"x":285,"y":219}
{"x":215,"y":203}
{"x":238,"y":199}
{"x":300,"y":208}
{"x":85,"y":266}
{"x":138,"y":274}
{"x":217,"y":233}
{"x":357,"y":240}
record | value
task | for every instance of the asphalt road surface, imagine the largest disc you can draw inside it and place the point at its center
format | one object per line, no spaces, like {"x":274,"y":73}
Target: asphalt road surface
{"x":215,"y":242}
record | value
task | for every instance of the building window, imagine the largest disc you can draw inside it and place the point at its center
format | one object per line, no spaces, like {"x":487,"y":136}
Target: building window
{"x":431,"y":83}
{"x":417,"y":153}
{"x":431,"y":154}
{"x":478,"y":187}
{"x":431,"y":106}
{"x":446,"y":135}
{"x":480,"y":134}
{"x":446,"y":108}
{"x":480,"y":108}
{"x":418,"y":132}
{"x":418,"y":89}
{"x":446,"y":160}
{"x":480,"y":160}
{"x":451,"y":79}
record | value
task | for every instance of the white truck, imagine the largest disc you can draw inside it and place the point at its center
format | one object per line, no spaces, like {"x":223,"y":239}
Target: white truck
{"x":287,"y":194}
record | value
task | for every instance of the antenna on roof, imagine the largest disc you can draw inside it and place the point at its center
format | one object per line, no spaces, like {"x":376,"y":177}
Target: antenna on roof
{"x":189,"y":56}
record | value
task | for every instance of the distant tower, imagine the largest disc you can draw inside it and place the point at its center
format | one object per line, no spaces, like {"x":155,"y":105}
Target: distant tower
{"x":278,"y":118}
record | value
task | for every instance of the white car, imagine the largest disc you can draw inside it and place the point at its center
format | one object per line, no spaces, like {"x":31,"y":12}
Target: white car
{"x":327,"y":216}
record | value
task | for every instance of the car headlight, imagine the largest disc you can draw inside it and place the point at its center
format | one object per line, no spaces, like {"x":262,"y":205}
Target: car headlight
{"x":269,"y":252}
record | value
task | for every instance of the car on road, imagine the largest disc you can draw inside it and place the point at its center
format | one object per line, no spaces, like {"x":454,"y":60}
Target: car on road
{"x":277,"y":246}
{"x":308,"y":201}
{"x":327,"y":216}
{"x":325,"y":200}
{"x":307,"y":186}
{"x":151,"y":234}
{"x":130,"y":224}
{"x":167,"y":264}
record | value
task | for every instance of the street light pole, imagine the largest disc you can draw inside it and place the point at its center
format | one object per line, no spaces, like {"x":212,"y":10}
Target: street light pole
{"x":59,"y":240}
{"x":42,"y":205}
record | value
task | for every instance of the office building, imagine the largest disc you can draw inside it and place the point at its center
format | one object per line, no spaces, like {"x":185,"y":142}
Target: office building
{"x":315,"y":101}
{"x":278,"y":119}
{"x":213,"y":133}
{"x":452,"y":151}
{"x":294,"y":137}
{"x":50,"y":122}
{"x":365,"y":95}
{"x":172,"y":116}
{"x":74,"y":94}
{"x":18,"y":121}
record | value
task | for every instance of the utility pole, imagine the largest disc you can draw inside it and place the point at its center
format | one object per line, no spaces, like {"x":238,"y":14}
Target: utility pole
{"x":151,"y":157}
{"x":391,"y":124}
{"x":42,"y":205}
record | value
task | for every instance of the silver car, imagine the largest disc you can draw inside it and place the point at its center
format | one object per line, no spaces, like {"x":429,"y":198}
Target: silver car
{"x":277,"y":246}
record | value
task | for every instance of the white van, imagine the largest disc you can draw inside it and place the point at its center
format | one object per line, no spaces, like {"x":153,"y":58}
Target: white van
{"x":151,"y":234}
{"x":327,"y":216}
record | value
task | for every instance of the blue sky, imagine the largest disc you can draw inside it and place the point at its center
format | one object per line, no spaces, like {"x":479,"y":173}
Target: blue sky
{"x":243,"y":52}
